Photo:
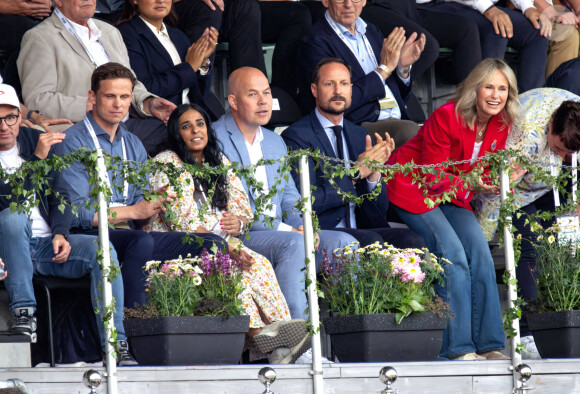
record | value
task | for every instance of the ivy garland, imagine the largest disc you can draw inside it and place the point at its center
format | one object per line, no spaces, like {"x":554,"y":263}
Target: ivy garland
{"x":40,"y":174}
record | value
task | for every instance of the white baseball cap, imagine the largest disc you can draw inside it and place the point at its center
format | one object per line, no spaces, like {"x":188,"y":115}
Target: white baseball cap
{"x":8,"y":96}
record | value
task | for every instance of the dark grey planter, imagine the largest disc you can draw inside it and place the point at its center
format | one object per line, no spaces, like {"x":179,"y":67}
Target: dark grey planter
{"x":377,"y":338}
{"x":557,"y":334}
{"x":187,"y":340}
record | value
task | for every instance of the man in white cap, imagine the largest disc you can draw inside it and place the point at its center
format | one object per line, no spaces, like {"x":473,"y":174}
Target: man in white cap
{"x":39,"y":242}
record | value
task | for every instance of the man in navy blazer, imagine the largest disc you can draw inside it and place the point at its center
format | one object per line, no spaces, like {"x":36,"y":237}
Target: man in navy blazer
{"x":245,"y":142}
{"x":326,"y":130}
{"x":378,"y":97}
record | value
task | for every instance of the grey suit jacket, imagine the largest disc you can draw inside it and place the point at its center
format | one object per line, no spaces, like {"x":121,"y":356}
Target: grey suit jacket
{"x":55,"y":70}
{"x":273,"y":148}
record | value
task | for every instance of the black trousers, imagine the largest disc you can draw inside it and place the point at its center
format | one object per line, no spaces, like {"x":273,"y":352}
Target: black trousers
{"x":398,"y":237}
{"x":135,"y":247}
{"x":12,"y":28}
{"x":527,"y":262}
{"x":441,"y":29}
{"x":387,"y":15}
{"x":239,"y":24}
{"x":284,"y":23}
{"x":457,"y":33}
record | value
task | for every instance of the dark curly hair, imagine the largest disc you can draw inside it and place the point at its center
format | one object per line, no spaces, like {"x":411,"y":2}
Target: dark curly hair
{"x":566,"y":124}
{"x":212,"y":153}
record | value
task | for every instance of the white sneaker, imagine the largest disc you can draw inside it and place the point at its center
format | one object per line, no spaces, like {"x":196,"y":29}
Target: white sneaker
{"x":530,"y":351}
{"x":306,"y":358}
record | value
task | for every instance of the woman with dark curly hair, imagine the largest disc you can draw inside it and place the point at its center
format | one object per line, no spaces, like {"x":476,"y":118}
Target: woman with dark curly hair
{"x":220,"y":205}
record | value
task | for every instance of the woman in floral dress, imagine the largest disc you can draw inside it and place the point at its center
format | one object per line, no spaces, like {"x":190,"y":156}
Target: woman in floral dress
{"x":221,"y":206}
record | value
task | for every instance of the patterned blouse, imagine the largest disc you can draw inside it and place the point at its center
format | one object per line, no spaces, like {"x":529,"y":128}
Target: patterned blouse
{"x":530,"y":136}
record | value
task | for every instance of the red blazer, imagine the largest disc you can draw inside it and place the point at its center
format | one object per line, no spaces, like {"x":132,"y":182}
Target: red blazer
{"x":443,"y":137}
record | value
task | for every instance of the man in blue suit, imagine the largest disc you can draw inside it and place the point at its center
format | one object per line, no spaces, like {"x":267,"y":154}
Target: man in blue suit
{"x":381,"y":68}
{"x":326,"y":130}
{"x":245,"y":141}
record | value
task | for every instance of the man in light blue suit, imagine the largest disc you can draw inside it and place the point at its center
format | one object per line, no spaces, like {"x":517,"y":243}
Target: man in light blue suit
{"x":280,"y":238}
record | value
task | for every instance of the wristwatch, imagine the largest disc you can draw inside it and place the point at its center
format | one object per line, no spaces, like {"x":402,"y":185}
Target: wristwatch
{"x":403,"y":71}
{"x":356,"y":177}
{"x":29,"y":114}
{"x":385,"y":69}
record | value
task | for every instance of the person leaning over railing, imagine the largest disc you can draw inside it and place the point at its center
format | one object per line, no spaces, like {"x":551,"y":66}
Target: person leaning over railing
{"x":192,"y":141}
{"x":548,"y":128}
{"x":475,"y":123}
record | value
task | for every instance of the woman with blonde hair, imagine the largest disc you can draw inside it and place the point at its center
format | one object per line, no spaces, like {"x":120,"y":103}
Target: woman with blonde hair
{"x":476,"y":122}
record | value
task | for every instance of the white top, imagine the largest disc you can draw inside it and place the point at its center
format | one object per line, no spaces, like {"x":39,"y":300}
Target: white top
{"x":169,"y":46}
{"x":483,"y":5}
{"x":476,"y":149}
{"x":11,"y":161}
{"x":91,"y":41}
{"x":255,"y":153}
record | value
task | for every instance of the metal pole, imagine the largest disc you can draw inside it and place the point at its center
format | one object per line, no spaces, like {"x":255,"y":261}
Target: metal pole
{"x":511,"y":269}
{"x":107,"y":292}
{"x":316,"y":371}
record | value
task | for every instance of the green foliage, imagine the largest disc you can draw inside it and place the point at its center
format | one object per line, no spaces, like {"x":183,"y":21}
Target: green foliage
{"x":558,"y":271}
{"x":427,"y":177}
{"x":382,"y":279}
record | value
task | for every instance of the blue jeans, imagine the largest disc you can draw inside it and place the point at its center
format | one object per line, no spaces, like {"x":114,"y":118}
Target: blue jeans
{"x":531,"y":46}
{"x":25,"y":256}
{"x":470,"y":288}
{"x":285,"y":250}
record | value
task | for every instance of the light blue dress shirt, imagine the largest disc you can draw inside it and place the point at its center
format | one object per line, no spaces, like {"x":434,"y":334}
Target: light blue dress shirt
{"x":368,"y":61}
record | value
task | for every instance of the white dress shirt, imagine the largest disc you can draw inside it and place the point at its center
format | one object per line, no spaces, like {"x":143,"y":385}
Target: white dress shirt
{"x":91,"y":41}
{"x":169,"y":46}
{"x":255,"y":153}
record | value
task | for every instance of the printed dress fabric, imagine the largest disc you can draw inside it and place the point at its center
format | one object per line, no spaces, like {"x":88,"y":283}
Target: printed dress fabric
{"x":261,"y":287}
{"x":530,"y":136}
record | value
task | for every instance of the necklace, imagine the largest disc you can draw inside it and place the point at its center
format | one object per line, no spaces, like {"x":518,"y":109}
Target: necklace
{"x":481,"y":127}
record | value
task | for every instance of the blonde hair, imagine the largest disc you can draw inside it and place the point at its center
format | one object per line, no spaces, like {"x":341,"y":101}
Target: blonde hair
{"x":466,"y":98}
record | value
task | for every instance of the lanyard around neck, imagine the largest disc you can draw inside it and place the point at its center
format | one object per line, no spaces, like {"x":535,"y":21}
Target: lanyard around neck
{"x":554,"y":172}
{"x":338,"y":32}
{"x":89,"y":127}
{"x":72,"y":31}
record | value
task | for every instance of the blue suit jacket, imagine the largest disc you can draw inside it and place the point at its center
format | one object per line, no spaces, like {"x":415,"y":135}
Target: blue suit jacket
{"x":273,"y":148}
{"x":323,"y":42}
{"x":153,"y":65}
{"x":308,"y":133}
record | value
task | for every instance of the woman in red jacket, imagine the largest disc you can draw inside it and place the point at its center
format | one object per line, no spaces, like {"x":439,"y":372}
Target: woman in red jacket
{"x":475,"y":123}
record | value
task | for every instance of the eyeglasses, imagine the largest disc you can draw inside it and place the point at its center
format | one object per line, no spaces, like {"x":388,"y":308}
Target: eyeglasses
{"x":10,"y":120}
{"x":342,"y":1}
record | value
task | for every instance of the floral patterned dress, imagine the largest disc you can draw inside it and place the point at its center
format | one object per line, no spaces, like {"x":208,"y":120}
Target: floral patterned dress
{"x":261,"y":286}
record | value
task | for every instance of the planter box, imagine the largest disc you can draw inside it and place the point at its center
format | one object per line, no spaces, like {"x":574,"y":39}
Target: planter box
{"x":187,"y":340}
{"x":557,"y":334}
{"x":377,"y":338}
